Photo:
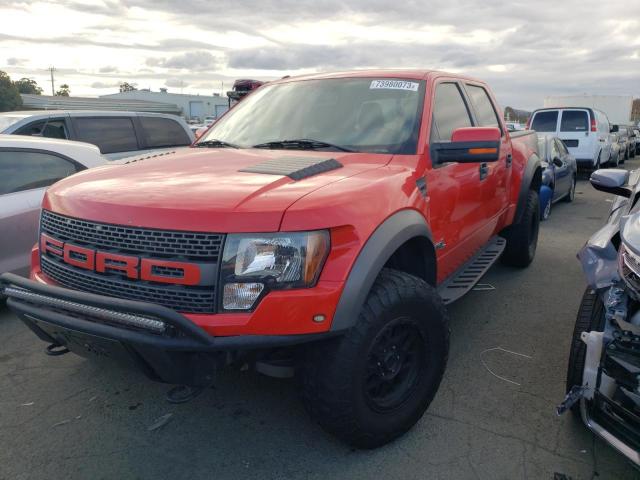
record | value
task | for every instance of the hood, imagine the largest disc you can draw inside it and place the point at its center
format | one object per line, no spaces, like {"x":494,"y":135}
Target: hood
{"x":199,"y":189}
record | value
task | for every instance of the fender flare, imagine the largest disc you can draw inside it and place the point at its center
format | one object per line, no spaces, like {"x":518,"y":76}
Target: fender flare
{"x":532,"y":168}
{"x":385,"y":240}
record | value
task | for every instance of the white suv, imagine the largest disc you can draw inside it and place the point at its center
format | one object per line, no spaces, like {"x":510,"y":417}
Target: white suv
{"x":585,"y":132}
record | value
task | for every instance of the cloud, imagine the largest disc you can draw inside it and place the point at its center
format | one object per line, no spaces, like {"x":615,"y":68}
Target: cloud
{"x":108,"y":69}
{"x":198,"y":60}
{"x":105,"y":84}
{"x":176,"y":82}
{"x":13,"y":61}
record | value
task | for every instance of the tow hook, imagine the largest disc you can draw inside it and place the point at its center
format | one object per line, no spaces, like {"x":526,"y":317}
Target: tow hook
{"x":574,"y":395}
{"x":55,"y":350}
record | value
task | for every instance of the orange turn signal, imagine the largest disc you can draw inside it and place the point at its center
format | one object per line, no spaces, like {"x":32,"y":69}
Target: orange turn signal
{"x":482,"y":151}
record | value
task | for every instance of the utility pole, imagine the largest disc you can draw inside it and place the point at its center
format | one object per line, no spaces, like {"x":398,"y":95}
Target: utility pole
{"x":53,"y":88}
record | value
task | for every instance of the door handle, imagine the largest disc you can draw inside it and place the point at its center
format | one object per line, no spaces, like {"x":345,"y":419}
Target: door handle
{"x":484,"y":171}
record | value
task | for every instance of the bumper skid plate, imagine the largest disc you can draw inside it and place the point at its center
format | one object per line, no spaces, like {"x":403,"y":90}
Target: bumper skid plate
{"x":161,"y":342}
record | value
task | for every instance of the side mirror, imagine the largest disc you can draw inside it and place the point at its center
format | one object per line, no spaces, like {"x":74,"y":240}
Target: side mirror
{"x":614,"y":128}
{"x":557,"y":162}
{"x":469,"y":145}
{"x":611,"y":180}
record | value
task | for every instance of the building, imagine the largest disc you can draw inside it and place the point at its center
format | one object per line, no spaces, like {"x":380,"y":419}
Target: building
{"x":48,"y":102}
{"x":192,"y":107}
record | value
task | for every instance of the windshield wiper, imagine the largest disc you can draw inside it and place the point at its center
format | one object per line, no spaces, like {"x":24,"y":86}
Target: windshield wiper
{"x":301,"y":143}
{"x":216,"y":144}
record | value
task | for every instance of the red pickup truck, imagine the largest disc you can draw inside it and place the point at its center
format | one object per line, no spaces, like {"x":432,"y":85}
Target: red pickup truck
{"x":320,"y":227}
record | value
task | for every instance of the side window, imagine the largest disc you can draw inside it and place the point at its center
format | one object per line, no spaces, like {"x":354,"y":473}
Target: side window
{"x":24,"y":170}
{"x":485,"y":113}
{"x":163,"y":132}
{"x":110,"y":134}
{"x":449,"y":112}
{"x":53,"y":128}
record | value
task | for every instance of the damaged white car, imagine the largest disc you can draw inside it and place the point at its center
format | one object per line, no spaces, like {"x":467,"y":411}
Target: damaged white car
{"x":603,"y":378}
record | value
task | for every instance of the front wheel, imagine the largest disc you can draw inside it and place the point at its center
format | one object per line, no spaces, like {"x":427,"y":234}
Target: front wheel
{"x":590,"y":317}
{"x":375,"y":382}
{"x":522,"y":237}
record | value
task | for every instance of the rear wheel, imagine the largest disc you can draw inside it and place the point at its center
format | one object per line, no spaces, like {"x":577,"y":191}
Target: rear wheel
{"x":522,"y":237}
{"x":590,"y":317}
{"x":374,"y":383}
{"x":572,"y":191}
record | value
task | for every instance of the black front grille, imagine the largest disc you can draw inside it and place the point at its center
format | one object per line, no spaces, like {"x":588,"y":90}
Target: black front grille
{"x":181,"y":299}
{"x":165,"y":243}
{"x":202,"y":249}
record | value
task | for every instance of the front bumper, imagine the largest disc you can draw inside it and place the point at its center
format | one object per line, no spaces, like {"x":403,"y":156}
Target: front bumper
{"x":161,"y":342}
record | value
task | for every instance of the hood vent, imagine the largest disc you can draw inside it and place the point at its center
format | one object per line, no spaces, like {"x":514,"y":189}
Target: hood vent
{"x":296,"y":168}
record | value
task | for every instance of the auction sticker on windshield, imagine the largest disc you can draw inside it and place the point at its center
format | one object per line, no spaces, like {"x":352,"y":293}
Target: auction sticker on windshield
{"x":394,"y":85}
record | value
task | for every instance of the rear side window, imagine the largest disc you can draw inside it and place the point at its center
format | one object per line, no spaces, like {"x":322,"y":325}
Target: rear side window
{"x":485,"y":113}
{"x":45,"y":128}
{"x":23,"y":170}
{"x":574,"y":121}
{"x":163,"y":132}
{"x":449,"y":112}
{"x":545,"y":121}
{"x":110,"y":134}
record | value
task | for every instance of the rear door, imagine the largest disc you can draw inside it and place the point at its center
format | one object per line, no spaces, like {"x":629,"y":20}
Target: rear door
{"x":495,"y":175}
{"x":563,"y":178}
{"x":574,"y":132}
{"x":545,"y":121}
{"x":116,"y":137}
{"x":456,"y":212}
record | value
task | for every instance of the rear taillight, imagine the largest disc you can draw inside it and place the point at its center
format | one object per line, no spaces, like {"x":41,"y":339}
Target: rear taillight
{"x":594,"y":128}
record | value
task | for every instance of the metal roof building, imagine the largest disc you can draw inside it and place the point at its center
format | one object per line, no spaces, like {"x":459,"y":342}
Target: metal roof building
{"x":48,"y":102}
{"x":192,"y":107}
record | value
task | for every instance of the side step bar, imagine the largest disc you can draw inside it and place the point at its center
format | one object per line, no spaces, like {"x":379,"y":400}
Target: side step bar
{"x":465,"y":278}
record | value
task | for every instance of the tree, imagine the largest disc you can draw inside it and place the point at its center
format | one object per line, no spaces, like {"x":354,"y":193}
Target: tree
{"x":9,"y":94}
{"x":128,"y":87}
{"x":64,"y":91}
{"x":27,"y":85}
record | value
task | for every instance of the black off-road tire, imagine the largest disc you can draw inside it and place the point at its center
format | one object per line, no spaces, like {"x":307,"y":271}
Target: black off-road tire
{"x":336,"y":375}
{"x":590,"y":317}
{"x":522,"y":237}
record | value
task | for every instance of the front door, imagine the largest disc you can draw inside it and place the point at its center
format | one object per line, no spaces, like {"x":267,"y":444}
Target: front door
{"x":456,"y":213}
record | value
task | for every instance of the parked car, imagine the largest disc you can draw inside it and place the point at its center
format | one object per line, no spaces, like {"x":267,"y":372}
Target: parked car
{"x":636,"y":133}
{"x":616,"y":153}
{"x":558,"y":175}
{"x":624,"y":141}
{"x":602,"y":378}
{"x":117,"y":134}
{"x":584,"y":131}
{"x":298,"y":234}
{"x":27,"y":167}
{"x":631,"y":135}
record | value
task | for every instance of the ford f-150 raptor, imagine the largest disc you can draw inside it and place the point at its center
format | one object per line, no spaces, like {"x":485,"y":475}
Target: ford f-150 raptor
{"x":321,"y":226}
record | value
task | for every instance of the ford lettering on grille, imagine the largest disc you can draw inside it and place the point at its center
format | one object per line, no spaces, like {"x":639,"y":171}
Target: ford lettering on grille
{"x":171,"y":268}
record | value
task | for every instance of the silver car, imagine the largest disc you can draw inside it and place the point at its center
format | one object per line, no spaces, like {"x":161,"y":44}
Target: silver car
{"x":28,"y":166}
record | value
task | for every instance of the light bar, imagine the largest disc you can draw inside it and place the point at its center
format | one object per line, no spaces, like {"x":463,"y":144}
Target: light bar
{"x":128,"y":319}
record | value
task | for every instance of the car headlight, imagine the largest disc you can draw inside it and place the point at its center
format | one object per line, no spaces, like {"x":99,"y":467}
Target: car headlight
{"x":256,"y":263}
{"x":629,"y":269}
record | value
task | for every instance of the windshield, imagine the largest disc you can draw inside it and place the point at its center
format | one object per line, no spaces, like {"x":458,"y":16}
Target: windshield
{"x":6,"y":121}
{"x":355,"y":114}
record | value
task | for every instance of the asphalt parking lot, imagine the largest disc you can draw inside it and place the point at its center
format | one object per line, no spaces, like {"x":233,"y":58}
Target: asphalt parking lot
{"x":493,"y":417}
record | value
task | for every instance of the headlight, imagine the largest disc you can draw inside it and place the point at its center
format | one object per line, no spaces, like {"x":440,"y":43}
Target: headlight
{"x":253,"y":263}
{"x":629,"y":269}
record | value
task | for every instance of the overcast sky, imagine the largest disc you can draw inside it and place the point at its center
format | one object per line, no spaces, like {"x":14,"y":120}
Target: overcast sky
{"x":525,"y":49}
